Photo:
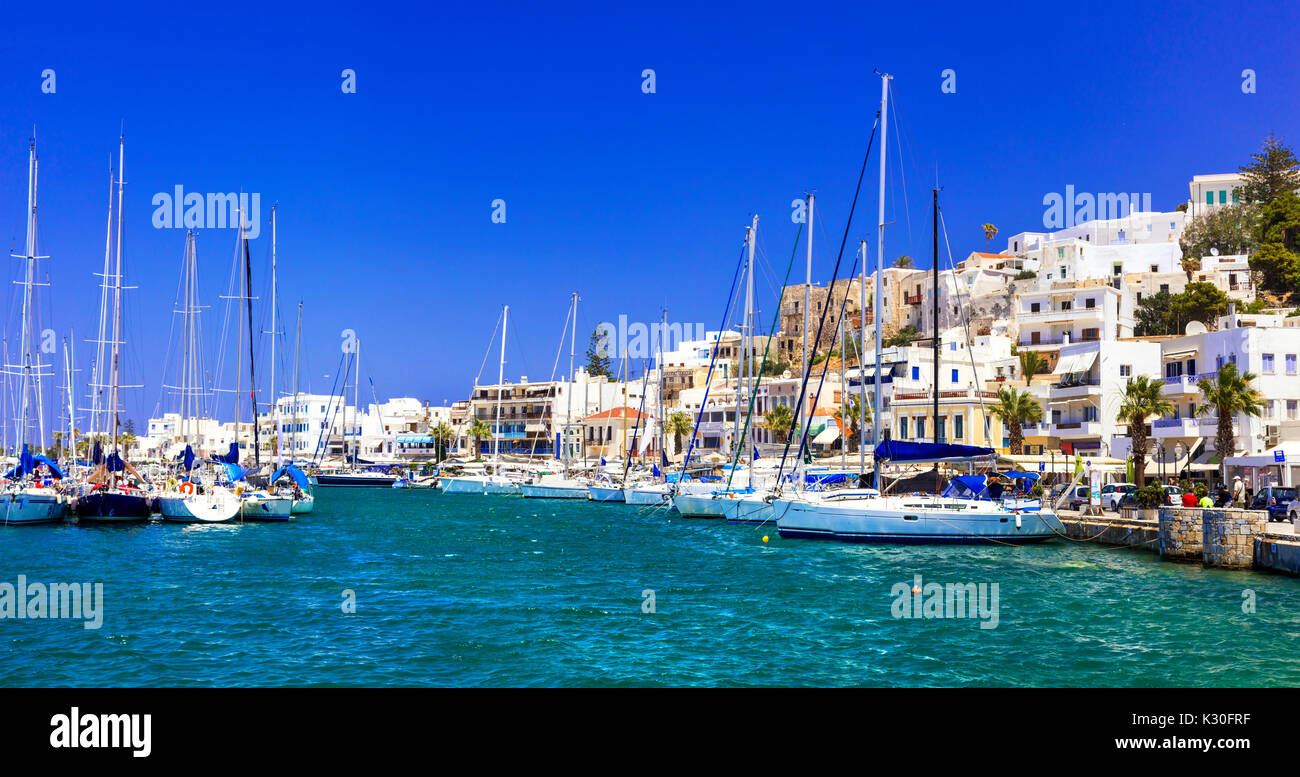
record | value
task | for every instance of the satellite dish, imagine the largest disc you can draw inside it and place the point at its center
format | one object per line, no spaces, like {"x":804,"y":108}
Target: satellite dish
{"x":1194,"y":328}
{"x":1214,"y":252}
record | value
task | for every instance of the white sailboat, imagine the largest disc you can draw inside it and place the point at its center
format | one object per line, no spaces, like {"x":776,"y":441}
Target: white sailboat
{"x":964,"y":513}
{"x":187,"y":498}
{"x":29,"y":495}
{"x":564,"y":486}
{"x":495,"y":484}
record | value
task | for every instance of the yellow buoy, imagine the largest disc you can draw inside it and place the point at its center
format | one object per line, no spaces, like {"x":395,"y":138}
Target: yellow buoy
{"x":764,"y":538}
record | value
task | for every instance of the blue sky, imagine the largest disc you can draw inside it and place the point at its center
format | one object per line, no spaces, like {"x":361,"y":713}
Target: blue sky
{"x":634,"y":200}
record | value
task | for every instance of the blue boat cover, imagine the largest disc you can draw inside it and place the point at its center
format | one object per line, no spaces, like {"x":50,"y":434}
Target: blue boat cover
{"x":967,"y":487}
{"x":298,"y":475}
{"x":234,"y":472}
{"x":187,"y":458}
{"x":27,"y":464}
{"x":895,"y":450}
{"x":232,"y":456}
{"x":1017,"y":475}
{"x":114,"y":463}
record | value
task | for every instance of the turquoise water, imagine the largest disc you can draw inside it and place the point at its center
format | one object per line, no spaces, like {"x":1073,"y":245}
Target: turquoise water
{"x":467,"y":590}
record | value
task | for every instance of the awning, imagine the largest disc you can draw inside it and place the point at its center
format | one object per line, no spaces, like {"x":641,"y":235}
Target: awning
{"x":535,"y":428}
{"x":828,"y":435}
{"x":1075,"y":362}
{"x":1180,"y":354}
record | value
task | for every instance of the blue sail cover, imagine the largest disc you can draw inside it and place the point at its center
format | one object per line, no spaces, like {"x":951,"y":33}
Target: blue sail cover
{"x":1030,"y":476}
{"x":896,"y":451}
{"x":27,"y":464}
{"x":97,"y":455}
{"x":114,"y":463}
{"x":187,"y":458}
{"x":232,"y":456}
{"x":967,"y":487}
{"x":234,"y":472}
{"x":298,"y":475}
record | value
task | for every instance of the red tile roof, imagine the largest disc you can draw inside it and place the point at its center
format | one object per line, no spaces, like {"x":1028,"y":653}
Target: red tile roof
{"x":618,"y":412}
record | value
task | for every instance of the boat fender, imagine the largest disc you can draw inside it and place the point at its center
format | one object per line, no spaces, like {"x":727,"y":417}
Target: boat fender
{"x":1017,"y":521}
{"x":171,"y":484}
{"x":187,"y":488}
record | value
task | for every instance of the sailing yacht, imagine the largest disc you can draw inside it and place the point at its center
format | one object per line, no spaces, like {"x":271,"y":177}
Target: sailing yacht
{"x":495,"y":484}
{"x":186,"y":498}
{"x":564,"y":486}
{"x":113,"y":497}
{"x":29,"y":495}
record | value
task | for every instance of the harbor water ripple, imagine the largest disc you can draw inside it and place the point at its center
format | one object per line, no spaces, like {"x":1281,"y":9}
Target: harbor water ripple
{"x":500,"y":591}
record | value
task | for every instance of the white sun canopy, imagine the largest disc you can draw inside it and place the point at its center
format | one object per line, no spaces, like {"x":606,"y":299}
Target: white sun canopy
{"x":1075,"y":363}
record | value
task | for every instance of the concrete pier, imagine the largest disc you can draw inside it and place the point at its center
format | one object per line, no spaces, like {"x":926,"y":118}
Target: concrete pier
{"x":1182,"y":534}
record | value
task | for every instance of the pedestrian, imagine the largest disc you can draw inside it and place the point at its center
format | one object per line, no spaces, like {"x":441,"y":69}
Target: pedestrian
{"x":1238,"y":492}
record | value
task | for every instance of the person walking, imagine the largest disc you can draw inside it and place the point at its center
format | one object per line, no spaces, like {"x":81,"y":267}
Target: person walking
{"x":1238,"y":492}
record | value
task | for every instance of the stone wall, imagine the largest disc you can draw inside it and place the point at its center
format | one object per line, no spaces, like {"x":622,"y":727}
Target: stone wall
{"x":1229,"y":536}
{"x":1181,"y":533}
{"x":1135,"y":534}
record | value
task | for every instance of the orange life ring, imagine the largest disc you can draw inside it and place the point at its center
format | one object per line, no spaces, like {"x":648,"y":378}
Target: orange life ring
{"x":187,"y":488}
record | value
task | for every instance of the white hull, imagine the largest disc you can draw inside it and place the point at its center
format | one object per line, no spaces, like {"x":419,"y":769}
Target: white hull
{"x":26,"y":507}
{"x":605,"y":494}
{"x":646,"y":495}
{"x":701,"y":505}
{"x":480,"y":485}
{"x":304,"y":505}
{"x":260,"y":507}
{"x":851,"y":517}
{"x":571,"y":489}
{"x":213,"y":507}
{"x":751,"y":509}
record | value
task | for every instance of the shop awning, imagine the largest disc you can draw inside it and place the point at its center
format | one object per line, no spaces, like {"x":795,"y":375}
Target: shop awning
{"x":828,"y":435}
{"x":1075,"y":362}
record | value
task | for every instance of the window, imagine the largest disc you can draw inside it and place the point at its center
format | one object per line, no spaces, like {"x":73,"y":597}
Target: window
{"x":1156,"y":268}
{"x":1268,"y":364}
{"x":952,"y":346}
{"x":1223,"y":196}
{"x":954,"y":376}
{"x":1126,"y":370}
{"x":957,"y":431}
{"x":1191,"y":366}
{"x":1117,"y":268}
{"x":902,"y":428}
{"x":1062,"y":270}
{"x":1060,"y":253}
{"x":1290,"y":409}
{"x":1035,"y":338}
{"x":941,"y":427}
{"x":1090,"y":303}
{"x":1033,"y":307}
{"x":1089,"y":412}
{"x":1236,"y":197}
{"x":1092,"y":334}
{"x":1290,"y":364}
{"x":916,"y":373}
{"x":1066,"y":305}
{"x":1209,"y":198}
{"x":1268,"y":410}
{"x":920,"y":428}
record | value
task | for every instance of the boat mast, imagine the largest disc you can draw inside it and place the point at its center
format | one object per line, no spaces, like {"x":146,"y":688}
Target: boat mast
{"x":844,"y":393}
{"x":568,"y":395}
{"x":117,"y":299}
{"x":97,"y":425}
{"x":935,"y":308}
{"x":501,"y":384}
{"x":663,"y":422}
{"x":29,"y":262}
{"x":862,"y":364}
{"x":275,"y":333}
{"x":356,"y":409}
{"x":807,"y":301}
{"x":749,"y":345}
{"x":880,"y":264}
{"x":293,"y":425}
{"x":252,"y":366}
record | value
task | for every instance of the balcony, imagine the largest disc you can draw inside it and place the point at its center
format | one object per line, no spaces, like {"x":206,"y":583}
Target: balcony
{"x":1072,"y":430}
{"x":1053,"y":316}
{"x":1180,"y":384}
{"x":912,"y":299}
{"x":1176,"y":427}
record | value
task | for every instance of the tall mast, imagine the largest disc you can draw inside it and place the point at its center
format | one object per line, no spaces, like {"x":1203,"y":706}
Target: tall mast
{"x":568,"y":395}
{"x":663,"y":422}
{"x":117,"y":296}
{"x":29,"y":268}
{"x":748,"y":347}
{"x":862,"y":363}
{"x":844,"y":392}
{"x":807,"y":301}
{"x":935,"y":309}
{"x":356,"y":409}
{"x":67,"y":376}
{"x":501,"y":385}
{"x":275,"y":334}
{"x":297,"y":353}
{"x":252,"y":366}
{"x":97,"y":425}
{"x":880,"y":264}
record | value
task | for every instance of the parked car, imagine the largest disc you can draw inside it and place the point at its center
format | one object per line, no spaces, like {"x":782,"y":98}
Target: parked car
{"x":1111,"y":493}
{"x":1077,"y":499}
{"x":1173,"y":496}
{"x":1277,"y":500}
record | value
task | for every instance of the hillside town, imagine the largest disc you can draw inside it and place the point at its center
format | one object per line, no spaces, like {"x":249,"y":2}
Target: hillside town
{"x":1039,"y":346}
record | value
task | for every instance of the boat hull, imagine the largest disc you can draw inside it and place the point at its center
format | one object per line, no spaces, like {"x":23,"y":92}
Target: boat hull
{"x":27,"y":508}
{"x":263,"y":508}
{"x":548,"y":491}
{"x":200,"y":508}
{"x":748,"y":510}
{"x":645,"y":496}
{"x":303,"y":506}
{"x":113,"y":507}
{"x":378,"y":481}
{"x":701,"y":505}
{"x":478,"y":485}
{"x":605,"y":494}
{"x":874,"y":521}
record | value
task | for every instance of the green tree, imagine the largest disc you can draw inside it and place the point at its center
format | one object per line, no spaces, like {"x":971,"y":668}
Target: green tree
{"x":1143,"y":398}
{"x":679,"y":425}
{"x":1156,"y":315}
{"x":1015,"y":408}
{"x":1277,"y":261}
{"x":1025,"y":275}
{"x":1271,"y":172}
{"x":478,"y":431}
{"x":780,"y":421}
{"x":1228,"y":230}
{"x":598,"y":362}
{"x":442,"y":434}
{"x":1031,"y":363}
{"x":990,"y":232}
{"x":904,"y":336}
{"x":855,"y":417}
{"x":1227,"y":394}
{"x":1202,"y":302}
{"x":903,"y":261}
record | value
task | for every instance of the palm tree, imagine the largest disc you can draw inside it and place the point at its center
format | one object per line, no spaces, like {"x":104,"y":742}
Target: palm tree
{"x":679,"y":425}
{"x":903,"y":261}
{"x":442,"y":434}
{"x":780,"y":421}
{"x":126,"y":440}
{"x":855,"y":416}
{"x":1014,"y":408}
{"x":1031,"y":364}
{"x":1143,"y":398}
{"x":1228,"y":394}
{"x":478,"y":431}
{"x":990,"y":232}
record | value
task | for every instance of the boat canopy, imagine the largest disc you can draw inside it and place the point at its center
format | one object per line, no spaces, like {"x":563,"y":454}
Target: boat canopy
{"x":896,"y":451}
{"x":187,"y":458}
{"x":967,"y":487}
{"x":232,"y":456}
{"x":233,"y":471}
{"x":298,"y":475}
{"x":1015,"y":475}
{"x":27,"y":463}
